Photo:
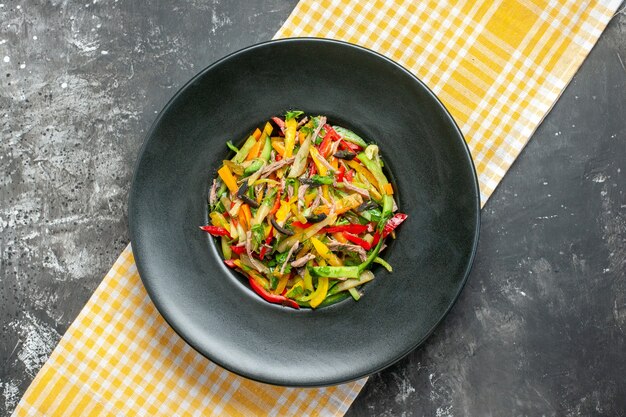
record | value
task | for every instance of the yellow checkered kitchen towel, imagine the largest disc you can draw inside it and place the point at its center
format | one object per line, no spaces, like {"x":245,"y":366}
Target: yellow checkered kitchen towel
{"x":498,"y":66}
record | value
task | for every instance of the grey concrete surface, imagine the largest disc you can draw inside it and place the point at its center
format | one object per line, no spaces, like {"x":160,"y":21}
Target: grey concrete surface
{"x":541,"y":326}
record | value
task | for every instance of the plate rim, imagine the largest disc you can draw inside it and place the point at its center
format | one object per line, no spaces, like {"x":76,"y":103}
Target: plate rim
{"x":275,"y":381}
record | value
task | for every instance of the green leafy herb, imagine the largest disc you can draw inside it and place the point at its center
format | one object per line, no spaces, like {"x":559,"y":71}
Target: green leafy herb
{"x":219,"y":207}
{"x":372,"y":215}
{"x":280,"y":260}
{"x":273,"y":282}
{"x":326,"y":180}
{"x":258,"y":235}
{"x":293,"y":114}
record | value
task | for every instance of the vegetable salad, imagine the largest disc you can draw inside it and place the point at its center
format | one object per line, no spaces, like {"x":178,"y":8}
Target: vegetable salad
{"x":303,"y":209}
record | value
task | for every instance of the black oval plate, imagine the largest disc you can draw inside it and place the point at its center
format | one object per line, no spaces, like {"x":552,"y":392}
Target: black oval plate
{"x":210,"y":306}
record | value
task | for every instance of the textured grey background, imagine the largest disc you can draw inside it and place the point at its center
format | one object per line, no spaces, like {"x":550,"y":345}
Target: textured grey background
{"x":541,"y":326}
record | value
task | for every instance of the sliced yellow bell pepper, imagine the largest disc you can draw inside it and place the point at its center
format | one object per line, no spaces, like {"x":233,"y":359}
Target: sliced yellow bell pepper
{"x":262,"y":281}
{"x":290,"y":136}
{"x":282,"y":283}
{"x":325,"y":253}
{"x":325,"y":192}
{"x":218,"y":219}
{"x":257,"y":133}
{"x":320,"y":293}
{"x":227,"y":177}
{"x":309,"y":197}
{"x":388,"y":188}
{"x":308,"y":280}
{"x":321,"y":168}
{"x":267,"y":130}
{"x":281,"y":214}
{"x":297,"y":214}
{"x":365,"y":173}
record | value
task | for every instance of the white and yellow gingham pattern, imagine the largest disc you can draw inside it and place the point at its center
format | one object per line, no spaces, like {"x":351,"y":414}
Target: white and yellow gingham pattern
{"x":498,"y":66}
{"x":121,"y":358}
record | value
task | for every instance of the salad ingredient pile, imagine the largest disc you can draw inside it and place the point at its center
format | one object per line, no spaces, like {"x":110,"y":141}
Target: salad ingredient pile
{"x":304,"y":213}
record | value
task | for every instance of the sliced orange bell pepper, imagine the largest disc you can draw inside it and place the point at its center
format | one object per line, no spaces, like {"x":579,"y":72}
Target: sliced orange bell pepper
{"x":227,"y":177}
{"x":279,"y":145}
{"x":254,"y":151}
{"x":348,"y":203}
{"x":245,"y":216}
{"x":339,"y":237}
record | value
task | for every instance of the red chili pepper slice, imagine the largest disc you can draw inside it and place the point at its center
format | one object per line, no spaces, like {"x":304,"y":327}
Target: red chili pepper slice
{"x":349,"y":146}
{"x":329,"y":137}
{"x":341,"y":173}
{"x":300,"y":225}
{"x":238,"y":249}
{"x":334,"y":136}
{"x":325,"y":146}
{"x":277,"y":202}
{"x":279,"y":122}
{"x":376,"y":238}
{"x":349,"y":175}
{"x":312,"y":169}
{"x":272,"y":298}
{"x":215,"y":230}
{"x":390,"y":226}
{"x":356,"y":229}
{"x":394,"y":222}
{"x":357,"y":240}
